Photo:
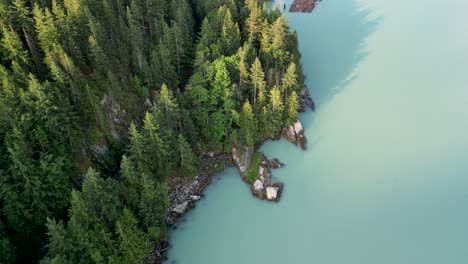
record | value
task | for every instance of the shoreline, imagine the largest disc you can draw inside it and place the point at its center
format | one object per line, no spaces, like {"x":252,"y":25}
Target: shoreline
{"x":184,"y":193}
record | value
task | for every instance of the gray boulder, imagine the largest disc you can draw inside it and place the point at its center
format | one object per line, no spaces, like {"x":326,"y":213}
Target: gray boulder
{"x":295,"y":134}
{"x":195,"y":197}
{"x":181,"y":208}
{"x":298,"y":129}
{"x":272,"y":193}
{"x":258,"y":186}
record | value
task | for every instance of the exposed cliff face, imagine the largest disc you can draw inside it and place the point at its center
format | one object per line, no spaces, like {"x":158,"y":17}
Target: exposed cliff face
{"x":242,"y":158}
{"x":116,"y":116}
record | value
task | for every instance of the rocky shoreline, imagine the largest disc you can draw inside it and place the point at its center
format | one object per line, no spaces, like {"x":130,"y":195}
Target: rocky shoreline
{"x":184,"y":193}
{"x":261,"y":186}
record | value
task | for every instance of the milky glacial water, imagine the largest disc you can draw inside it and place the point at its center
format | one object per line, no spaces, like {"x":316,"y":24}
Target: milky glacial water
{"x":385,"y":176}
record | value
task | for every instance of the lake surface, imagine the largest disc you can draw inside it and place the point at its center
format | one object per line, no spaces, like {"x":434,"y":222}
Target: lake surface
{"x":385,"y":176}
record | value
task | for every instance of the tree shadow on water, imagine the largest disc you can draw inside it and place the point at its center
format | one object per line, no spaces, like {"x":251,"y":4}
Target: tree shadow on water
{"x":331,"y":41}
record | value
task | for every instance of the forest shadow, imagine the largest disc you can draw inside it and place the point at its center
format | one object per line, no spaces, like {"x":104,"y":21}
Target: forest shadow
{"x":332,"y":43}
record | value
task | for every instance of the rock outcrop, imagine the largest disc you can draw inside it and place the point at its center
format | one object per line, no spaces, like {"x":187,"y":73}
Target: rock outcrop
{"x":116,"y":115}
{"x":258,"y":186}
{"x":262,"y":187}
{"x":157,"y":254}
{"x":271,"y":193}
{"x":306,"y":101}
{"x":264,"y":174}
{"x":242,"y":158}
{"x":183,"y":192}
{"x":295,"y":134}
{"x":273,"y":163}
{"x":181,"y":208}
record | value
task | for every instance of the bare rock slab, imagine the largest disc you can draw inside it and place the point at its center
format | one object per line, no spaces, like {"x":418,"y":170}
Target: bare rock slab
{"x":181,"y":208}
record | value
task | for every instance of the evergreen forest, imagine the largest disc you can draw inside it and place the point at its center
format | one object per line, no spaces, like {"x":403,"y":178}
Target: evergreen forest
{"x":102,"y":102}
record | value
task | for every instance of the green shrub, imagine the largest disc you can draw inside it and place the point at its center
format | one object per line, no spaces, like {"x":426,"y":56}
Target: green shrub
{"x":252,"y":171}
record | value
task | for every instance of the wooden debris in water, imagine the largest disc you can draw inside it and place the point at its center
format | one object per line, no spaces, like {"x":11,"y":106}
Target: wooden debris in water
{"x":303,"y":6}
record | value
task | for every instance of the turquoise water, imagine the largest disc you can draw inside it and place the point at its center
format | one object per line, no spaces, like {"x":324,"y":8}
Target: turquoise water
{"x":385,"y":176}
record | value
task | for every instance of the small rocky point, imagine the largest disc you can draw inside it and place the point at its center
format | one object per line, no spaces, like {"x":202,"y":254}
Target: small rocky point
{"x":305,"y":101}
{"x":261,"y":186}
{"x":185,"y":192}
{"x":295,"y":134}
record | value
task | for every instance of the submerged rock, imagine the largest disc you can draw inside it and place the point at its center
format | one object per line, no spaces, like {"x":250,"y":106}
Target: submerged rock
{"x":306,"y":101}
{"x":274,"y":164}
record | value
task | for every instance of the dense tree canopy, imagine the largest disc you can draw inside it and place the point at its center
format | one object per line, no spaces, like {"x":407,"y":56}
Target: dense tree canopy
{"x":103,"y":102}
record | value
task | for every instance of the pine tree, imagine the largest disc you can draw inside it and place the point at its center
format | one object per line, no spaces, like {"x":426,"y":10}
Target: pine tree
{"x":272,"y":114}
{"x":248,"y":125}
{"x":157,"y":158}
{"x":74,"y":75}
{"x":13,"y":47}
{"x":230,"y":35}
{"x":265,"y":42}
{"x":220,"y":83}
{"x":278,"y":44}
{"x":163,"y":65}
{"x":22,"y":12}
{"x":187,"y":158}
{"x":137,"y":148}
{"x":136,"y":36}
{"x":169,"y":107}
{"x":257,"y":77}
{"x":135,"y":244}
{"x":206,"y":47}
{"x":58,"y":239}
{"x":253,"y":23}
{"x":153,"y":205}
{"x":131,"y":182}
{"x":290,"y":82}
{"x":292,"y":111}
{"x":276,"y":101}
{"x":221,"y":104}
{"x":244,"y":66}
{"x":183,"y":25}
{"x":7,"y":250}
